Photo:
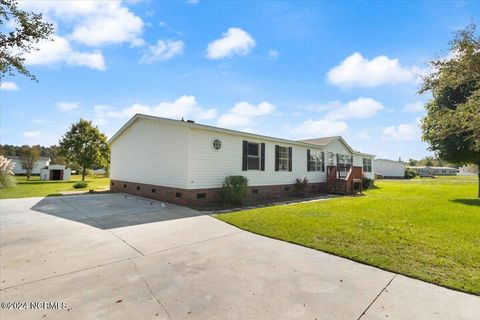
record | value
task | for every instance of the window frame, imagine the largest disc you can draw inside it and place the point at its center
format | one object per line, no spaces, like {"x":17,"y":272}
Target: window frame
{"x":253,"y":156}
{"x":283,"y":160}
{"x":316,"y":162}
{"x":367,"y":164}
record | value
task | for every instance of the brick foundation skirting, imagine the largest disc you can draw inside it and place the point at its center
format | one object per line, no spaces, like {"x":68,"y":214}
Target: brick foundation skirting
{"x":199,"y":197}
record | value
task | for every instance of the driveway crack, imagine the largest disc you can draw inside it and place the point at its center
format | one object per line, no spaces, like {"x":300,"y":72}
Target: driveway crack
{"x":150,"y":290}
{"x":378,"y":295}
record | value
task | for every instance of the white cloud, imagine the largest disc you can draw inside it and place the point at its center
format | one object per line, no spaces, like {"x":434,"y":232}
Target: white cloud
{"x":319,"y":128}
{"x":183,"y":107}
{"x":8,"y":85}
{"x":414,"y":107}
{"x":234,"y":41}
{"x":357,"y":71}
{"x":67,"y":106}
{"x":163,"y":50}
{"x":405,"y":131}
{"x":360,"y":108}
{"x":244,"y":114}
{"x":31,"y":134}
{"x":95,"y":23}
{"x":59,"y":51}
{"x":110,"y":23}
{"x":273,"y":54}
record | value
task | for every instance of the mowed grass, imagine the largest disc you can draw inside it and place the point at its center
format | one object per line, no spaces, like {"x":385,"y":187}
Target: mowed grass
{"x":37,"y":188}
{"x":424,"y":228}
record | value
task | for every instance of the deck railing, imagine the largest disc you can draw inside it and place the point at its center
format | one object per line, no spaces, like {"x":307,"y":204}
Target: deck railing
{"x":332,"y":176}
{"x":346,"y":174}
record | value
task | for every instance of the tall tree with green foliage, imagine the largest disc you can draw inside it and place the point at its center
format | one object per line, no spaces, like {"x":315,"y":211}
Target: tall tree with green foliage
{"x":28,"y":29}
{"x":28,"y":158}
{"x":85,"y":145}
{"x":452,"y":124}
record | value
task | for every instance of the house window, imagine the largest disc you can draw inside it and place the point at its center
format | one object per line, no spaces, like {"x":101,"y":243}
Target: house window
{"x":316,"y":161}
{"x":344,"y":159}
{"x":216,"y":144}
{"x":201,"y":195}
{"x":367,"y":165}
{"x":331,"y":158}
{"x":283,"y":158}
{"x":253,"y":156}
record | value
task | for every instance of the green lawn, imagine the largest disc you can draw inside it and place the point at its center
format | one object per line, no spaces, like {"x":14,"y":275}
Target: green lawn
{"x":37,"y":188}
{"x":424,"y":228}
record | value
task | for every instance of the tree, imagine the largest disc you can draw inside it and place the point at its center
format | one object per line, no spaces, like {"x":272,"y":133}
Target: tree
{"x":452,"y":124}
{"x":54,"y":153}
{"x":28,"y":30}
{"x":28,"y":158}
{"x":412,"y":162}
{"x":85,"y":145}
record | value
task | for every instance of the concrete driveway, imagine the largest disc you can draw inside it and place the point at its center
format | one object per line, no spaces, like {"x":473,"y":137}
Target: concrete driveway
{"x":114,"y":256}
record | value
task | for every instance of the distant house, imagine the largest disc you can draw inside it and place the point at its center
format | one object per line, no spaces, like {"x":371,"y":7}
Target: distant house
{"x":42,"y":162}
{"x":389,"y":168}
{"x":427,"y":171}
{"x":55,"y":172}
{"x":186,"y":163}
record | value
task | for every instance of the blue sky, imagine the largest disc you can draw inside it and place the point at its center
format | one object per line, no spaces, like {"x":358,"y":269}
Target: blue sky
{"x":286,"y":69}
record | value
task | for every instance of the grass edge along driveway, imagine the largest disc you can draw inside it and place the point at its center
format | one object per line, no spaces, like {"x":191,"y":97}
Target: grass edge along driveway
{"x":37,"y":188}
{"x":425,"y":229}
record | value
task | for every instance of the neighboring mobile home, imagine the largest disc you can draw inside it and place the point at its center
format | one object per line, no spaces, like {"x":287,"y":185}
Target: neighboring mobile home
{"x":389,"y":168}
{"x":186,"y":163}
{"x":427,"y":171}
{"x":42,"y":162}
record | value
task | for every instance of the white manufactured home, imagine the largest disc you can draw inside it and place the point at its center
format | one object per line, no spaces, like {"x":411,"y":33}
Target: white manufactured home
{"x":41,"y":163}
{"x":389,"y":168}
{"x":427,"y":171}
{"x":186,"y":163}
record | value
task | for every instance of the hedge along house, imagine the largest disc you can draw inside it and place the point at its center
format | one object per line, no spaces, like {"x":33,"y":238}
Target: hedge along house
{"x":186,"y":163}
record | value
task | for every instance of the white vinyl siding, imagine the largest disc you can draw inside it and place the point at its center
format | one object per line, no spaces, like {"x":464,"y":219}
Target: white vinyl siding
{"x":152,"y":152}
{"x":208,"y":168}
{"x":389,"y":168}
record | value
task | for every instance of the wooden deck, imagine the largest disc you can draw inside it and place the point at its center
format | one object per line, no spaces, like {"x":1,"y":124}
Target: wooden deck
{"x":346,"y":180}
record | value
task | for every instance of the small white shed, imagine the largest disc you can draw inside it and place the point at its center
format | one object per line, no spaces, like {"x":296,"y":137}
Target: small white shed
{"x":389,"y":168}
{"x":55,"y":172}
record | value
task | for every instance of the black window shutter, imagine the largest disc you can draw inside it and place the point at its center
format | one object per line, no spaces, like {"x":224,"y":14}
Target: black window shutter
{"x":244,"y":155}
{"x":262,"y":159}
{"x":277,"y":156}
{"x":289,"y":158}
{"x":308,"y":160}
{"x":323,"y":161}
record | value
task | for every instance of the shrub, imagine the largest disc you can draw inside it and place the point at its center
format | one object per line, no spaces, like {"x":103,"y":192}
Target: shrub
{"x":410,"y":173}
{"x":6,"y":175}
{"x":367,"y":183}
{"x":300,"y":186}
{"x":6,"y":180}
{"x":80,"y":185}
{"x":234,"y":190}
